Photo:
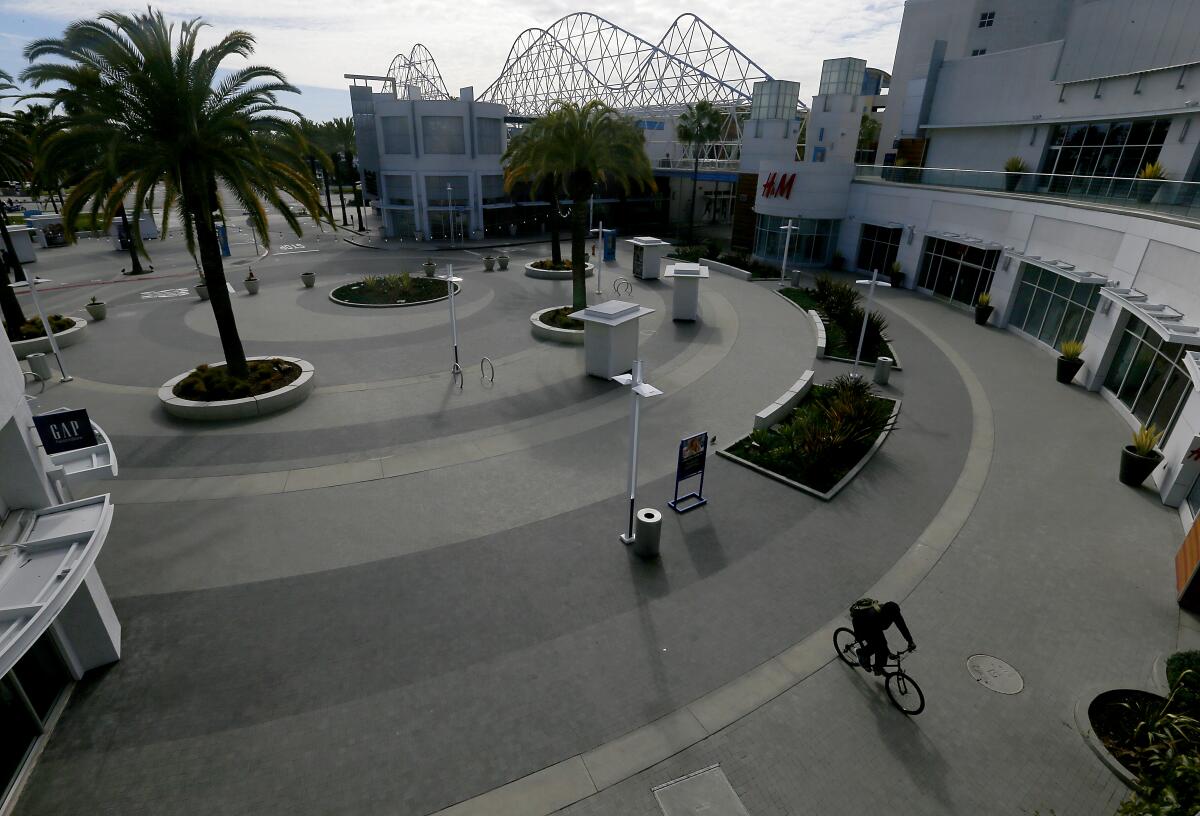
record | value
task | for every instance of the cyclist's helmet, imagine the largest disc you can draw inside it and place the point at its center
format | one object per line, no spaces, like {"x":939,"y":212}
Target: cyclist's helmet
{"x":864,"y":603}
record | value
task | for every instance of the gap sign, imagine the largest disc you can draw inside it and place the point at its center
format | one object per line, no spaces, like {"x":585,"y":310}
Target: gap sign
{"x":65,"y":431}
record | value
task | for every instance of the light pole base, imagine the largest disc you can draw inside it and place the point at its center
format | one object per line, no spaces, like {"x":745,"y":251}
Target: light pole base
{"x":66,"y":379}
{"x":627,"y":539}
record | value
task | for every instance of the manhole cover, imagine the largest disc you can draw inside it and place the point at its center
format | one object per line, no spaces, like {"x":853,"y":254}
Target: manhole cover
{"x":703,"y":793}
{"x":995,"y":674}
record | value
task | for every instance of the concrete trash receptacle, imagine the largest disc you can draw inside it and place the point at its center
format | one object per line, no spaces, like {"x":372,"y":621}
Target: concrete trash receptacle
{"x":883,"y":370}
{"x":39,"y":364}
{"x":646,"y":533}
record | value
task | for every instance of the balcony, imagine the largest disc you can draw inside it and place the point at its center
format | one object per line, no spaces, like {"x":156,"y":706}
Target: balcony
{"x":1174,"y":199}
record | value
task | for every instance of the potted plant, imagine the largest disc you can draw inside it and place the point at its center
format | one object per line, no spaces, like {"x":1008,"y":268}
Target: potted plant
{"x":489,"y":263}
{"x":984,"y":309}
{"x":429,"y":267}
{"x":1140,"y":459}
{"x":96,"y":309}
{"x":308,"y":278}
{"x":896,"y":275}
{"x":503,"y":259}
{"x":202,"y":289}
{"x":1013,"y":168}
{"x":251,"y":283}
{"x":1069,"y":362}
{"x":1150,"y":178}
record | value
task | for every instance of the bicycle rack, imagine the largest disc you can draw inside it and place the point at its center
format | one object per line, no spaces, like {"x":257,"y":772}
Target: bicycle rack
{"x":482,"y":374}
{"x":622,"y":284}
{"x":39,"y":380}
{"x":456,"y":375}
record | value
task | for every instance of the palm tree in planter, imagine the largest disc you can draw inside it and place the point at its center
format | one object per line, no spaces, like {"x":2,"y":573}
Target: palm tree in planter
{"x":144,"y":108}
{"x":581,"y":145}
{"x":697,"y":126}
{"x":14,"y":164}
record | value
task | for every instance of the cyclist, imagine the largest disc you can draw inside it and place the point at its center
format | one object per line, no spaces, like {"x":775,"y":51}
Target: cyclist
{"x":871,"y":619}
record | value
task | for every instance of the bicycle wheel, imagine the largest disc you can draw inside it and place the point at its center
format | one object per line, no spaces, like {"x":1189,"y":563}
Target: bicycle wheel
{"x":905,"y":694}
{"x":844,"y":642}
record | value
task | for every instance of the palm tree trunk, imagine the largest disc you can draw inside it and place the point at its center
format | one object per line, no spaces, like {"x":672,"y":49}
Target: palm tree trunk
{"x":555,"y":229}
{"x":10,"y":307}
{"x":337,"y":175}
{"x":136,"y":268}
{"x":218,"y":291}
{"x":579,"y":231}
{"x":695,"y":182}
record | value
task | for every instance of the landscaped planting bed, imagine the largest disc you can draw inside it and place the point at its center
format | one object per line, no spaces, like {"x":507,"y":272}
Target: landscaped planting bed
{"x":390,"y":290}
{"x":212,"y":383}
{"x":837,"y":426}
{"x":559,"y":318}
{"x":34,"y":328}
{"x":839,"y":305}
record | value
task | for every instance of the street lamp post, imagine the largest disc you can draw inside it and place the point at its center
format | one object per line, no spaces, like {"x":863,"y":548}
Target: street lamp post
{"x":450,"y":281}
{"x":32,"y":281}
{"x":359,"y":192}
{"x":639,"y":390}
{"x":787,"y":243}
{"x":862,"y":335}
{"x":600,"y":257}
{"x":450,"y":210}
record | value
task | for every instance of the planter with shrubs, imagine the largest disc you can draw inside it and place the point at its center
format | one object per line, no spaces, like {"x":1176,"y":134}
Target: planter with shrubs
{"x":1141,"y":458}
{"x":983,"y":309}
{"x":1069,"y":362}
{"x":1013,"y":168}
{"x":209,"y":393}
{"x":96,"y":309}
{"x":839,"y":305}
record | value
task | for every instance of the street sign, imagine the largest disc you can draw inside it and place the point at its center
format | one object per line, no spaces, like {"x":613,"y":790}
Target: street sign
{"x":693,"y":453}
{"x":65,"y":431}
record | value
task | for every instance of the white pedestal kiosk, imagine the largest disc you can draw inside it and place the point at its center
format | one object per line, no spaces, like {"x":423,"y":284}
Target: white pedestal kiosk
{"x":22,"y":239}
{"x":687,"y":277}
{"x":647,"y":252}
{"x":610,"y":336}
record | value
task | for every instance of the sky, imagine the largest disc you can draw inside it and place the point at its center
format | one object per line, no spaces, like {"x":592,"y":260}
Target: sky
{"x":315,"y":43}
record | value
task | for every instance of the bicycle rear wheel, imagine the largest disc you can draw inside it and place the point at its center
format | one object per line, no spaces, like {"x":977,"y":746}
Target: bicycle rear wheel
{"x":905,"y":694}
{"x":844,"y":642}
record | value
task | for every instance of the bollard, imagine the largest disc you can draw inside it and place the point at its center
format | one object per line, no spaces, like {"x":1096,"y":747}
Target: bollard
{"x":39,"y":364}
{"x":646,"y":533}
{"x":883,"y":370}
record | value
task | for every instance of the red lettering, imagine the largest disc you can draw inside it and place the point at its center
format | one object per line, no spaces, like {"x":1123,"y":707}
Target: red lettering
{"x":784,"y":188}
{"x":1194,"y":454}
{"x":768,"y":189}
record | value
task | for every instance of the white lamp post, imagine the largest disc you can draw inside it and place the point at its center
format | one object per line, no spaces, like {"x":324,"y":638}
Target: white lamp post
{"x":450,"y":281}
{"x":600,"y":257}
{"x":450,"y":210}
{"x":873,"y":282}
{"x":32,"y":281}
{"x":787,"y":240}
{"x":639,"y":389}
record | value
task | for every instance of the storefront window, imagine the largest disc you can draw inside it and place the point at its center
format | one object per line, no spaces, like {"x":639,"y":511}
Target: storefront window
{"x":1052,"y":307}
{"x":877,"y":247}
{"x":1148,"y":377}
{"x":811,"y":242}
{"x":1104,"y":152}
{"x":956,"y":272}
{"x":27,"y":697}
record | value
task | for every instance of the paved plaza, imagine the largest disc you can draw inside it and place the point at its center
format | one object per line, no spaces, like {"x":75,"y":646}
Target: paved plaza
{"x":403,"y":597}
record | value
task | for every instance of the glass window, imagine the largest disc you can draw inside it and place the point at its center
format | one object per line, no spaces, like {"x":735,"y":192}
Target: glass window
{"x":443,"y":134}
{"x":438,"y":196}
{"x":1052,"y":307}
{"x":396,"y":135}
{"x":493,"y":190}
{"x":957,"y":272}
{"x":399,"y":190}
{"x":489,"y":129}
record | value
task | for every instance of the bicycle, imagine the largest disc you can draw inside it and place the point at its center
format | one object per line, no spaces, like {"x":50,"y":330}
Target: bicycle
{"x":901,"y":688}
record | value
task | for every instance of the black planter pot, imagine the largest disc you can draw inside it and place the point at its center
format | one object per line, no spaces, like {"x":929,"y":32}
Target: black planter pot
{"x":982,"y":313}
{"x":1011,"y":180}
{"x":1145,"y":190}
{"x":1067,"y":369}
{"x":1135,"y":467}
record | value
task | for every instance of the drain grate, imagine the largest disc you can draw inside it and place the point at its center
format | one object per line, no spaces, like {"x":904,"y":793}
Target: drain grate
{"x":994,"y":674}
{"x":704,"y":793}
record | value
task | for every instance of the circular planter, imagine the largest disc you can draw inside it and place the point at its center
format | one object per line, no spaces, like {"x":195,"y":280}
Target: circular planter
{"x":202,"y":291}
{"x":982,"y":314}
{"x":541,"y":331}
{"x":340,"y":302}
{"x":1067,"y":369}
{"x":532,"y":271}
{"x":251,"y":285}
{"x":41,"y":345}
{"x":245,"y":408}
{"x":97,"y":311}
{"x":309,"y":279}
{"x":503,"y":261}
{"x":489,"y":263}
{"x":1135,"y":467}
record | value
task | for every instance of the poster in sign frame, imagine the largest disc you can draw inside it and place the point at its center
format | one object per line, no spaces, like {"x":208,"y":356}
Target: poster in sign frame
{"x":693,"y":454}
{"x":63,"y":431}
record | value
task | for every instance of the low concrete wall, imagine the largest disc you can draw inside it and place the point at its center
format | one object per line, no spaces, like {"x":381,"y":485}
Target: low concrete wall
{"x":785,"y":404}
{"x":819,"y":327}
{"x":532,"y":271}
{"x":41,"y":345}
{"x":554,"y":334}
{"x":725,"y":269}
{"x":244,"y":408}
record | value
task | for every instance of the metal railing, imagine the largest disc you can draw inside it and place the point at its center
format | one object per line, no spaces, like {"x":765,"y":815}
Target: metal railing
{"x":1180,"y":199}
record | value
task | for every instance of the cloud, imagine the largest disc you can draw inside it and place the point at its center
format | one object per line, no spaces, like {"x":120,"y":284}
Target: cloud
{"x":314,"y":44}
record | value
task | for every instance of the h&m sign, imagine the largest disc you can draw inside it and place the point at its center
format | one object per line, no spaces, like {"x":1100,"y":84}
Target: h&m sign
{"x":778,"y":185}
{"x":63,"y":431}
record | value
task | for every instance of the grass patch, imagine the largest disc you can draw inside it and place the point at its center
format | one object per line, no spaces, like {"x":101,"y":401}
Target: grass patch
{"x":558,"y":318}
{"x":824,"y":437}
{"x":213,"y":383}
{"x":33,"y":328}
{"x":840,"y":310}
{"x":391,"y":290}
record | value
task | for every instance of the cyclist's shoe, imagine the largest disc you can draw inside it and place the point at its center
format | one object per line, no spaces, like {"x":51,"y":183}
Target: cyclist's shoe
{"x":912,"y":647}
{"x":864,"y":658}
{"x":879,"y":670}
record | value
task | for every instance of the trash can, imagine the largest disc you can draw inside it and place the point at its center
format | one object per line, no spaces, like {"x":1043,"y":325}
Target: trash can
{"x":646,"y":532}
{"x":883,"y":370}
{"x":39,"y":364}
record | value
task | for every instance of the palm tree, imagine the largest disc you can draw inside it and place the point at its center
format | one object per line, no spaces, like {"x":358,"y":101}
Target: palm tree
{"x":577,"y":146}
{"x":14,"y":164}
{"x":144,"y":108}
{"x":697,"y":126}
{"x":523,"y":154}
{"x":36,"y":123}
